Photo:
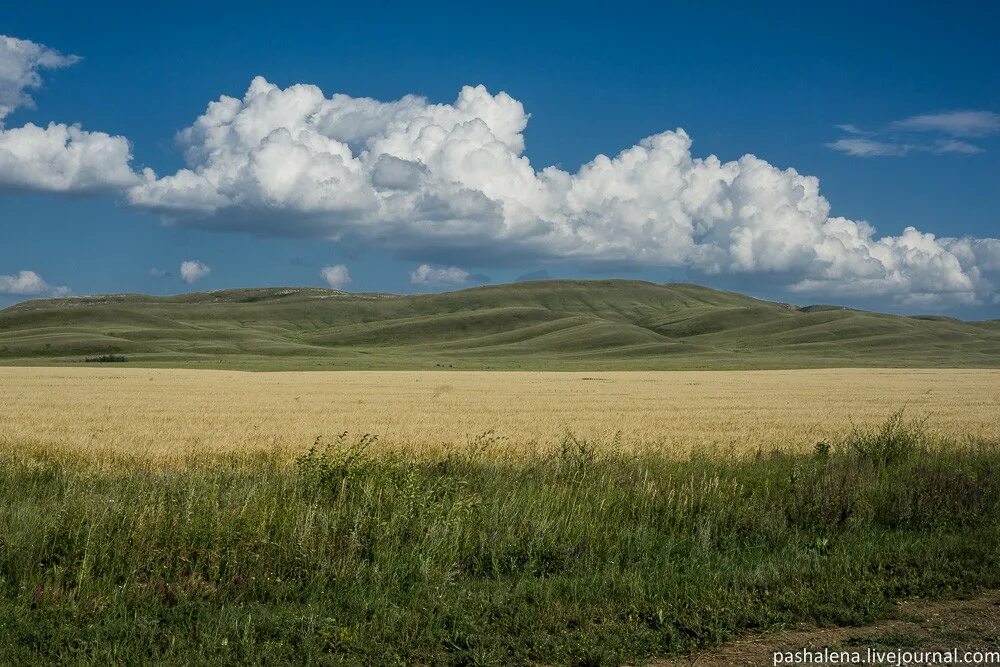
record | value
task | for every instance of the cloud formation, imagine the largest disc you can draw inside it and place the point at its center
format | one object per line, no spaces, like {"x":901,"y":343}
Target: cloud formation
{"x":428,"y":276}
{"x":192,"y":271}
{"x":336,"y":276}
{"x":450,"y":181}
{"x":864,"y":147}
{"x":900,"y":138}
{"x":955,"y":146}
{"x":63,"y":158}
{"x":446,"y":181}
{"x":956,"y":123}
{"x":58,"y":157}
{"x":20,"y":63}
{"x":861,"y":147}
{"x":29,"y":283}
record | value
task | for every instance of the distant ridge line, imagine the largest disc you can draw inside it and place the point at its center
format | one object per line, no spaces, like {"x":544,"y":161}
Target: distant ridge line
{"x":534,"y":325}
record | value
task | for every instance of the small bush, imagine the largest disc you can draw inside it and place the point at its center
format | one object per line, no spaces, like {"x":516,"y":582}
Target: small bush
{"x":824,"y":497}
{"x":933,"y":494}
{"x":338,"y":462}
{"x":576,"y":455}
{"x":894,"y":440}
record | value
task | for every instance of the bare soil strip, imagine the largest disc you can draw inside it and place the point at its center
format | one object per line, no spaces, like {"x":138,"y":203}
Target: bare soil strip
{"x":918,"y":625}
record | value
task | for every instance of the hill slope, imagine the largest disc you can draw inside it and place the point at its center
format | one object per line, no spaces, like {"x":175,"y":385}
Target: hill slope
{"x":546,"y":324}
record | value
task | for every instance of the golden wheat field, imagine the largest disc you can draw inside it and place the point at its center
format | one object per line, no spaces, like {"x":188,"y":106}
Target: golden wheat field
{"x":170,"y":414}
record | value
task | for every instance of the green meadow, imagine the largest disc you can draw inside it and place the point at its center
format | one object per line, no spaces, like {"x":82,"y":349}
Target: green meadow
{"x":583,"y":556}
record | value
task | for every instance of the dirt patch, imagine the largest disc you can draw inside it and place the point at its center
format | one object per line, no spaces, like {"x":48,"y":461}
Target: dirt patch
{"x":918,"y":626}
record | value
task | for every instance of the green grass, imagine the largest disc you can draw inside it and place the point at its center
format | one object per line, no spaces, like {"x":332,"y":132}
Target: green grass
{"x":584,"y":556}
{"x":612,"y":324}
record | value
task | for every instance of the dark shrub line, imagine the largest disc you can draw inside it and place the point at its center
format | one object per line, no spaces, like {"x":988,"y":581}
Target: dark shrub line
{"x":106,"y":358}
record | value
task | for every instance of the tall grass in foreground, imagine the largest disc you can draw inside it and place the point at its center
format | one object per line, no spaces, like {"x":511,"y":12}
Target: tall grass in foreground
{"x":586,"y":556}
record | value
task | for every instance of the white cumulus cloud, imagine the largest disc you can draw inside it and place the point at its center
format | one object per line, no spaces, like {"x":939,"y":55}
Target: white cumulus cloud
{"x":25,"y":283}
{"x":426,"y":274}
{"x":336,"y":276}
{"x":63,"y":158}
{"x":192,"y":270}
{"x":20,"y":63}
{"x":447,"y":181}
{"x":59,"y":157}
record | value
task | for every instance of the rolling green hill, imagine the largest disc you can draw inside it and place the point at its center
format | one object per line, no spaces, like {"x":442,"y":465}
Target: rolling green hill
{"x":610,"y":324}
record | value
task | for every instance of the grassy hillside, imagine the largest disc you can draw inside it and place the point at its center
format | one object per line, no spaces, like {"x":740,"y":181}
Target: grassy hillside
{"x":548,"y":324}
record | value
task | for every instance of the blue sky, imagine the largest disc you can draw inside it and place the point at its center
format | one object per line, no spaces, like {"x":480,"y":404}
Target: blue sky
{"x":783,"y":83}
